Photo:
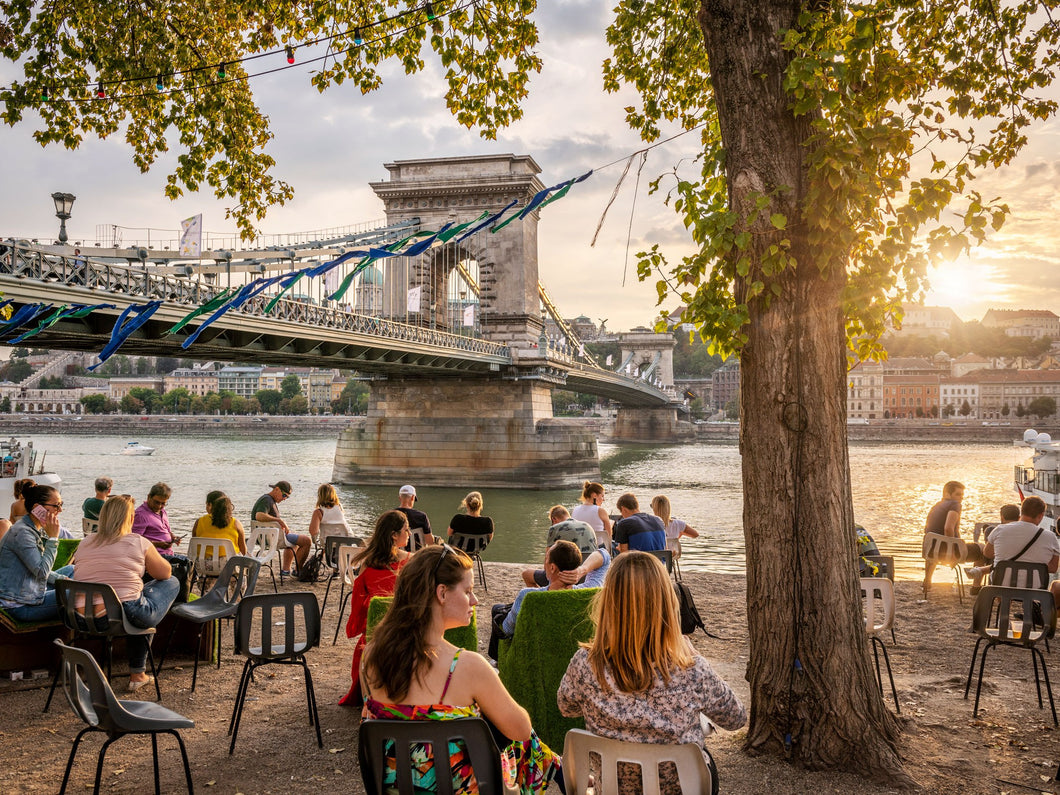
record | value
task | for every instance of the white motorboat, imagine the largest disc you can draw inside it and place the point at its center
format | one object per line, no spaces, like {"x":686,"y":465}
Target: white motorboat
{"x":1039,"y":476}
{"x":135,"y":448}
{"x":18,"y":461}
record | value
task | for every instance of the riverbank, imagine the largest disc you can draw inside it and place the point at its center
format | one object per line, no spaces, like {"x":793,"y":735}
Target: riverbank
{"x":1012,"y":747}
{"x":947,"y":431}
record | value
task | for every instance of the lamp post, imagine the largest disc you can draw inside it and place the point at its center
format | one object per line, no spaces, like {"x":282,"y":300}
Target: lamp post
{"x":64,"y":203}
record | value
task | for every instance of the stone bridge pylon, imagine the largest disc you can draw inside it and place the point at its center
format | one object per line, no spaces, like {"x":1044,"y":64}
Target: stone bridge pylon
{"x":490,"y":430}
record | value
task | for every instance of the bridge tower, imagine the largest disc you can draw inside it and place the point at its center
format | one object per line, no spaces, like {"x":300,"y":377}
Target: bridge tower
{"x":494,"y":430}
{"x":649,"y":355}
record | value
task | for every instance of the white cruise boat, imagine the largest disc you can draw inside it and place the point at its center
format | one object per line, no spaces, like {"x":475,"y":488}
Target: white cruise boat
{"x":135,"y":448}
{"x":18,"y":461}
{"x":1039,"y":476}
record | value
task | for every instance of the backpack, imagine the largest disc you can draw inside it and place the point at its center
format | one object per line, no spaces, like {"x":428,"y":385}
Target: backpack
{"x":310,"y":570}
{"x":691,"y":620}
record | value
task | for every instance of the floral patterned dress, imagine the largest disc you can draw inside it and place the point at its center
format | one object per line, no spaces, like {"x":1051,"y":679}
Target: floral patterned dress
{"x":535,"y":764}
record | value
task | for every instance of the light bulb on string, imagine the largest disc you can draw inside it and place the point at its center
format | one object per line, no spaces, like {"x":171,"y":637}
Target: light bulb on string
{"x":44,"y":94}
{"x":290,"y":53}
{"x":429,"y":8}
{"x":100,"y":92}
{"x":221,"y":71}
{"x":358,"y":37}
{"x":160,"y":84}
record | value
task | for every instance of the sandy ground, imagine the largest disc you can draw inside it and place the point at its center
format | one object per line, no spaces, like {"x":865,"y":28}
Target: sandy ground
{"x":1011,"y":748}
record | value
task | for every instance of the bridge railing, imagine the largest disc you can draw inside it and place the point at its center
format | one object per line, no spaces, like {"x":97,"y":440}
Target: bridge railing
{"x":27,"y":262}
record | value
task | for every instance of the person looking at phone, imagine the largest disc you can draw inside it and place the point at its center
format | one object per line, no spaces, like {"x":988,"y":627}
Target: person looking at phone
{"x":27,"y":552}
{"x":152,"y":522}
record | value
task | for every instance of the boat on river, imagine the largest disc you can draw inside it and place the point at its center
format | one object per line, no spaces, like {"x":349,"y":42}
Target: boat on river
{"x":18,"y":461}
{"x":135,"y":448}
{"x":1039,"y":476}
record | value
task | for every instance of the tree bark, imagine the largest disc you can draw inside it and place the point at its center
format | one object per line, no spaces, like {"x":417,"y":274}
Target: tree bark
{"x":813,"y":690}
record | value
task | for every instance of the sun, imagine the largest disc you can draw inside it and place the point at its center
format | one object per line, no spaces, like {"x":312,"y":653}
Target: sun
{"x":965,"y":286}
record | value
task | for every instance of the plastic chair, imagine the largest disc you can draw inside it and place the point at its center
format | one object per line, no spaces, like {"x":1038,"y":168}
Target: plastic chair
{"x":885,"y":568}
{"x":67,"y":593}
{"x":947,"y":551}
{"x":1006,"y":616}
{"x":693,"y":770}
{"x":394,"y":739}
{"x":665,"y":556}
{"x":347,"y":572}
{"x":877,"y":594}
{"x":95,"y":703}
{"x":273,"y":621}
{"x":264,"y":547}
{"x":1020,"y":574}
{"x":89,"y":525}
{"x":332,"y":544}
{"x":209,"y":556}
{"x":236,"y":581}
{"x":674,"y":545}
{"x":417,"y":538}
{"x":473,"y":545}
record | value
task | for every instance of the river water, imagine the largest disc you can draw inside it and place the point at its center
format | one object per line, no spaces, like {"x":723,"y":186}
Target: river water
{"x":893,"y":485}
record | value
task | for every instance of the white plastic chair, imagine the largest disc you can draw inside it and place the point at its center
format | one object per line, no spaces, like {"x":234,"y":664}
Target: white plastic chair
{"x":947,"y":551}
{"x":674,"y":545}
{"x":89,"y":525}
{"x":877,"y":595}
{"x":330,"y":529}
{"x":419,"y":539}
{"x":348,"y":571}
{"x":264,"y":547}
{"x":692,"y":769}
{"x":209,"y":556}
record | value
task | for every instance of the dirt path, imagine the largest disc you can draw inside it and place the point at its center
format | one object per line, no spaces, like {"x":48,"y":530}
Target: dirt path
{"x":1012,"y":748}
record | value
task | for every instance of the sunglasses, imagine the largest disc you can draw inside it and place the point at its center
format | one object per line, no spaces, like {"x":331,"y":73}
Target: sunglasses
{"x":446,"y":549}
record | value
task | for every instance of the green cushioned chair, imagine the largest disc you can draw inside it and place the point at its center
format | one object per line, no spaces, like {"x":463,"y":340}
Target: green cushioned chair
{"x":67,"y":547}
{"x":463,"y":637}
{"x":548,"y":630}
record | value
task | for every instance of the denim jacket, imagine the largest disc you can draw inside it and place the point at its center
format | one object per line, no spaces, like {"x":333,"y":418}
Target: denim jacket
{"x":26,"y":558}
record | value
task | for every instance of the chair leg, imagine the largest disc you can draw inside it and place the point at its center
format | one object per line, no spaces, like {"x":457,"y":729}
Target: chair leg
{"x":1048,"y":686}
{"x":876,"y":659}
{"x":327,"y":590}
{"x":154,"y":669}
{"x":342,"y":610}
{"x":198,"y":653}
{"x":979,"y":685}
{"x":154,"y":757}
{"x":237,"y":710}
{"x":890,"y":675}
{"x":99,"y":764}
{"x":960,"y":584}
{"x":70,"y":761}
{"x":184,"y":758}
{"x":971,"y":668}
{"x":51,"y":692}
{"x":169,"y":640}
{"x":311,"y":698}
{"x":272,"y":573}
{"x":482,"y":573}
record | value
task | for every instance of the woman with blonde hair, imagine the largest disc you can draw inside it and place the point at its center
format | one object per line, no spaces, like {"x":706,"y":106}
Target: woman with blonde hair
{"x":379,"y":561}
{"x":117,"y":557}
{"x":639,"y":679}
{"x":411,"y":672}
{"x":675,"y":528}
{"x":472,"y":523}
{"x":328,"y":512}
{"x":592,"y":512}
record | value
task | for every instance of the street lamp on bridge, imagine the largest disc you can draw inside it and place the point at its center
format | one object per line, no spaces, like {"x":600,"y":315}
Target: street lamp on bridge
{"x":64,"y":203}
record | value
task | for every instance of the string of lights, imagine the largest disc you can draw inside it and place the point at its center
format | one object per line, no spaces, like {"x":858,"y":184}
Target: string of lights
{"x":161,"y":82}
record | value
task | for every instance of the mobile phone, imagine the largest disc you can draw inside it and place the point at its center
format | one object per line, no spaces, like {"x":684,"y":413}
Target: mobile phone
{"x":41,"y":513}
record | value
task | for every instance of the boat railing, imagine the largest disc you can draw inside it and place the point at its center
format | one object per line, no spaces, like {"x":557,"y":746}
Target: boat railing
{"x":1024,"y":475}
{"x":1048,"y":482}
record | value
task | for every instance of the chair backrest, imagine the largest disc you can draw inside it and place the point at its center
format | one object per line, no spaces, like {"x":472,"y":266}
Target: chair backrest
{"x":281,"y":537}
{"x":264,"y":541}
{"x":1016,"y":616}
{"x":471,"y":544}
{"x":674,"y":545}
{"x":877,"y":596}
{"x":237,"y":579}
{"x":692,"y":769}
{"x":419,"y":540}
{"x":1020,"y":574}
{"x":209,"y":554}
{"x":885,"y":564}
{"x":80,"y":598}
{"x":275,"y":626}
{"x":982,"y":529}
{"x":665,"y":556}
{"x":86,"y":687}
{"x":329,"y":529}
{"x":332,"y":545}
{"x":377,"y":737}
{"x":89,"y":525}
{"x":946,"y":550}
{"x":346,"y":566}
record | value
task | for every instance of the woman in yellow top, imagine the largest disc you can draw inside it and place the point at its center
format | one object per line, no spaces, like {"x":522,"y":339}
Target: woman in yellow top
{"x":219,"y":522}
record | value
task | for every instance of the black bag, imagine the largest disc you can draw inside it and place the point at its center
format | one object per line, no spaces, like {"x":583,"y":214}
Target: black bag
{"x":691,"y":620}
{"x":310,"y":570}
{"x":183,"y":570}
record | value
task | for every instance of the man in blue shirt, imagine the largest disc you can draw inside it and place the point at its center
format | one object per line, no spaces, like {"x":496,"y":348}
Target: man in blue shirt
{"x":636,"y":530}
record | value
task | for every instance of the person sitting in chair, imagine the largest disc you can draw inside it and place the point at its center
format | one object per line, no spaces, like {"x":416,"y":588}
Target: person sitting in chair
{"x":944,"y":518}
{"x":1024,"y":541}
{"x":580,"y":534}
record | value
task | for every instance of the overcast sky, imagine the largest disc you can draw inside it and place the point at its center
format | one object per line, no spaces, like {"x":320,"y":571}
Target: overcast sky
{"x":330,"y":146}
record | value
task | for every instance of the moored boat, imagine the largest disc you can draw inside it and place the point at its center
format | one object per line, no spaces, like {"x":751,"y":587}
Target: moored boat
{"x":1039,"y":476}
{"x":135,"y":448}
{"x":18,"y":461}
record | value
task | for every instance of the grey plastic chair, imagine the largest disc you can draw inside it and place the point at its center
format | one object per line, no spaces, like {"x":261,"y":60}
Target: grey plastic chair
{"x":1013,"y":617}
{"x":118,"y":625}
{"x":272,"y":621}
{"x":331,"y":560}
{"x":693,"y":771}
{"x":382,"y":739}
{"x":665,"y":556}
{"x":237,"y":580}
{"x":473,"y":545}
{"x":1020,"y":574}
{"x":95,"y":703}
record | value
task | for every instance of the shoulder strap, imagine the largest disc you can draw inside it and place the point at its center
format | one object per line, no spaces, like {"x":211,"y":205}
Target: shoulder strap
{"x":452,"y":667}
{"x":1034,"y":538}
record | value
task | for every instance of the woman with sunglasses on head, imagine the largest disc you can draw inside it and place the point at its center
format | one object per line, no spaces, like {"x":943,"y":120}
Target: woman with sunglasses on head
{"x":118,"y":557}
{"x":380,"y":561}
{"x":27,"y":553}
{"x":639,"y":679}
{"x":592,"y":512}
{"x":411,"y":672}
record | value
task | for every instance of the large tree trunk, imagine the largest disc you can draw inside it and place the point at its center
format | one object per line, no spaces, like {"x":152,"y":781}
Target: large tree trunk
{"x":813,"y":690}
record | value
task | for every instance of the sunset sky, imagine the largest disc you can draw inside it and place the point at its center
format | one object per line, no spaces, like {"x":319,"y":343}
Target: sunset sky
{"x":330,"y":146}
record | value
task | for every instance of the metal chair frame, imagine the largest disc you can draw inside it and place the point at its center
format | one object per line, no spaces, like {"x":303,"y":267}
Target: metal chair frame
{"x":473,"y":545}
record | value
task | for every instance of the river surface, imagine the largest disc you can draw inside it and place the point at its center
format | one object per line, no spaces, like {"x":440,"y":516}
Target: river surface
{"x":893,"y":485}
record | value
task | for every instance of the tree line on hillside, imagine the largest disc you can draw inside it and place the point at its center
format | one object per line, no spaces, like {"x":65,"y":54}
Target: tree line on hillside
{"x":967,"y":337}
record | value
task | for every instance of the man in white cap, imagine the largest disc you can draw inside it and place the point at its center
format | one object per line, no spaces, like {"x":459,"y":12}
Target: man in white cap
{"x":417,"y":519}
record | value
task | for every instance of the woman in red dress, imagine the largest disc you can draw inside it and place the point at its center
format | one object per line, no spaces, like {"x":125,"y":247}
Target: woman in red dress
{"x":380,"y":562}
